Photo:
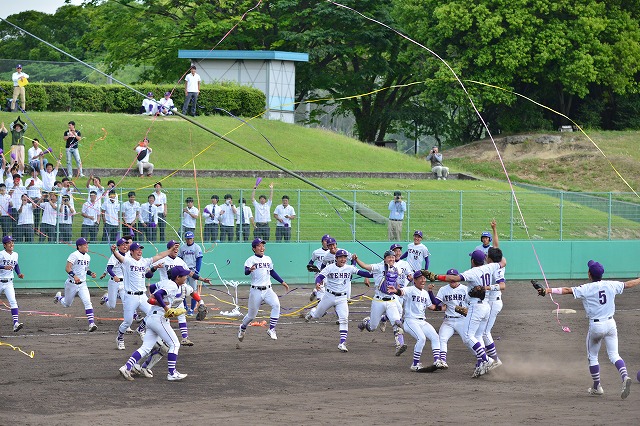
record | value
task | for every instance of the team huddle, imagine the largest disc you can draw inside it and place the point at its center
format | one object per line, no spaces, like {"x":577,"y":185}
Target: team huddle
{"x":401,"y":297}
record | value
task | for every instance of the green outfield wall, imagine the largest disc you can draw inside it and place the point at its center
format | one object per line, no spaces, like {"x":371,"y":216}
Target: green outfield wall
{"x":43,"y":265}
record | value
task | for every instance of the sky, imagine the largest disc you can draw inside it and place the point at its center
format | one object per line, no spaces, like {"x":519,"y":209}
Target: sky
{"x":11,"y":7}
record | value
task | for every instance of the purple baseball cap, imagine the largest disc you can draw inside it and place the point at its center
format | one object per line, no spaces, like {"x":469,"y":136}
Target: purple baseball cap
{"x":341,"y":252}
{"x":453,"y":272}
{"x":167,"y":93}
{"x":188,"y":234}
{"x":255,"y":243}
{"x":135,"y":246}
{"x":331,"y":240}
{"x":171,"y":244}
{"x":121,"y":241}
{"x":6,"y":239}
{"x":178,"y":271}
{"x":150,"y":94}
{"x":325,"y":237}
{"x":18,"y":66}
{"x":418,"y":233}
{"x":596,"y":269}
{"x":478,"y":257}
{"x":79,"y":242}
{"x":388,"y":253}
{"x":486,"y":234}
{"x":395,"y":246}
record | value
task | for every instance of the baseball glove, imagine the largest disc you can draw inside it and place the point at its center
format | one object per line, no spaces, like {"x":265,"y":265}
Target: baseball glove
{"x":174,"y":312}
{"x":429,"y":275}
{"x":202,"y":313}
{"x":478,"y":292}
{"x":312,"y":268}
{"x":541,"y":290}
{"x":461,"y":310}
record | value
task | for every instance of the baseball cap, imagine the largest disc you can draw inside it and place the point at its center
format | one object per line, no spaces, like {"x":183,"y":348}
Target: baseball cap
{"x":325,"y":237}
{"x":341,"y":252}
{"x":452,"y":272}
{"x":388,"y":253}
{"x":486,"y":234}
{"x":255,"y":243}
{"x":178,"y":271}
{"x":18,"y":66}
{"x":121,"y":241}
{"x":167,"y":93}
{"x":395,"y":246}
{"x":596,"y":269}
{"x":6,"y":239}
{"x":478,"y":257}
{"x":135,"y":246}
{"x":171,"y":244}
{"x":150,"y":94}
{"x":331,"y":240}
{"x":188,"y":234}
{"x":418,"y":233}
{"x":81,"y":241}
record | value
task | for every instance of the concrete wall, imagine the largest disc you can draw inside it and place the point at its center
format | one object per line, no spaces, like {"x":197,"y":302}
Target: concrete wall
{"x":44,"y":265}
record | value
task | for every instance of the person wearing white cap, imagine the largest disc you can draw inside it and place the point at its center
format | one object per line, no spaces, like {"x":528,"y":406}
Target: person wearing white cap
{"x":78,"y":269}
{"x":19,"y":81}
{"x":9,"y":259}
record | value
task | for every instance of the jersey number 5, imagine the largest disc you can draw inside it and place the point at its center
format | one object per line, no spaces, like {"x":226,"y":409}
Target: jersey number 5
{"x":602,"y":297}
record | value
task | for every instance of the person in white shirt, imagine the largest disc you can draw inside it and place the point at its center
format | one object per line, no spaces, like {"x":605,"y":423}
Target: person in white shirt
{"x":166,"y":106}
{"x":189,"y":216}
{"x":49,"y":206}
{"x":94,"y":183}
{"x":149,"y":218}
{"x":16,"y":189}
{"x":36,"y":156}
{"x":161,"y":205}
{"x":91,"y":218}
{"x":284,"y":214}
{"x":26,"y":223}
{"x":130,"y":214}
{"x":9,"y":260}
{"x":111,"y":218}
{"x":244,"y":221}
{"x":143,"y":152}
{"x":227,"y":215}
{"x":417,"y":253}
{"x":211,"y":214}
{"x":191,"y":90}
{"x":66,"y":211}
{"x":149,"y":105}
{"x":48,"y":173}
{"x":262,"y":209}
{"x":19,"y":81}
{"x":5,"y":210}
{"x":34,"y":191}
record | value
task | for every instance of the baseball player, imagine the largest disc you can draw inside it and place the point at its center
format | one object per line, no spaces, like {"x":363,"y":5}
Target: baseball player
{"x":478,"y":311}
{"x":260,"y":267}
{"x":168,"y":294}
{"x":598,"y":298}
{"x":134,"y":268}
{"x":338,"y":287}
{"x":315,"y":265}
{"x":405,"y":276}
{"x":163,"y":266}
{"x":330,"y":257}
{"x":494,"y":298}
{"x":448,"y":297}
{"x":485,"y":239}
{"x":385,"y":275}
{"x":78,"y":269}
{"x":191,"y":253}
{"x":416,"y":302}
{"x":9,"y":259}
{"x":417,"y":253}
{"x":115,"y":286}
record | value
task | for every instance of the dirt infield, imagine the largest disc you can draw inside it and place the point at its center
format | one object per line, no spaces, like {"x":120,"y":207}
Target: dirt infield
{"x":302,"y":378}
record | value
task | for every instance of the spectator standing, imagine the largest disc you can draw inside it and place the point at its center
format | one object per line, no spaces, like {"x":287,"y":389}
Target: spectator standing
{"x":262,"y":207}
{"x":110,"y":213}
{"x":18,"y":128}
{"x":49,"y":173}
{"x":435,"y":157}
{"x":65,"y":219}
{"x":3,"y":134}
{"x":191,"y":90}
{"x":130,"y":214}
{"x":34,"y":186}
{"x":143,"y":151}
{"x":227,"y":216}
{"x":91,"y":218}
{"x":149,"y":218}
{"x":244,"y":221}
{"x":211,"y":214}
{"x":20,"y":79}
{"x":161,"y":205}
{"x":189,"y":215}
{"x":72,"y":138}
{"x":397,"y":209}
{"x":49,"y":207}
{"x":26,"y":222}
{"x":5,"y":210}
{"x":284,"y":214}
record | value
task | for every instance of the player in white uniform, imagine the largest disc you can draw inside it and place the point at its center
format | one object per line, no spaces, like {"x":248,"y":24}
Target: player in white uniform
{"x":168,"y":294}
{"x":485,"y":239}
{"x":191,"y":253}
{"x":598,"y":298}
{"x":478,"y":314}
{"x":78,"y":269}
{"x":9,"y":263}
{"x":115,"y":286}
{"x":494,"y":297}
{"x":405,"y":276}
{"x":448,"y":297}
{"x":338,"y":286}
{"x":417,"y":253}
{"x":416,"y":302}
{"x":316,"y":260}
{"x":134,"y":268}
{"x":260,"y":267}
{"x":385,"y":274}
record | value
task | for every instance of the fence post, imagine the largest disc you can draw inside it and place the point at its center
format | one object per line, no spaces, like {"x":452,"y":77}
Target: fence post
{"x":408,"y":227}
{"x":353,"y":229}
{"x":609,"y":224}
{"x":298,"y":221}
{"x":561,"y":213}
{"x":460,"y":233}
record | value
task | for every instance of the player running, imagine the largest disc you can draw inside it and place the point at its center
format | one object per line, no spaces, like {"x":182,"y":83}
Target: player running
{"x":417,"y":253}
{"x":9,"y":259}
{"x":315,"y":264}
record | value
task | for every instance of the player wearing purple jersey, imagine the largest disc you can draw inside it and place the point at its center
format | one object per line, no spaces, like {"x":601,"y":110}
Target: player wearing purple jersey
{"x":598,"y":298}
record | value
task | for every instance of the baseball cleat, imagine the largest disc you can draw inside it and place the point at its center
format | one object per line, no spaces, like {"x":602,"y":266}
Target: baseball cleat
{"x":596,"y":392}
{"x":383,"y":326}
{"x":141,"y":333}
{"x":363,"y":324}
{"x":476,"y":372}
{"x":496,"y":363}
{"x":141,"y":371}
{"x":17,"y":327}
{"x":626,"y":387}
{"x":445,"y":366}
{"x":307,"y":317}
{"x":146,"y":372}
{"x":241,"y":333}
{"x":272,"y":333}
{"x":125,"y":373}
{"x":128,"y":330}
{"x":190,"y":312}
{"x":343,"y":347}
{"x":92,"y":327}
{"x":400,"y":349}
{"x":485,"y":367}
{"x":175,"y":376}
{"x":440,"y":365}
{"x":186,"y":342}
{"x":120,"y":344}
{"x":104,"y":299}
{"x":416,"y":367}
{"x":57,"y":297}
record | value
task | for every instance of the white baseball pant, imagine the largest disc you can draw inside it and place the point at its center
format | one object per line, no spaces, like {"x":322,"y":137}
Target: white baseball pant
{"x":495,"y":308}
{"x":113,"y":290}
{"x":606,"y":331}
{"x":448,"y":327}
{"x":158,"y":327}
{"x":10,"y":292}
{"x":476,"y":322}
{"x":341,"y":306}
{"x":130,"y":303}
{"x":421,"y":330}
{"x":256,"y":298}
{"x":380,"y":307}
{"x":70,"y":291}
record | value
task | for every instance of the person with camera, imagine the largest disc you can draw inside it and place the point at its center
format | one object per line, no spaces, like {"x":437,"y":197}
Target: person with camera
{"x":72,"y":138}
{"x":65,"y":219}
{"x":435,"y":157}
{"x":397,"y":208}
{"x":227,"y":216}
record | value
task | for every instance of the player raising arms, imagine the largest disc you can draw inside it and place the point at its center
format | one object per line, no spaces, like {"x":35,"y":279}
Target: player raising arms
{"x":417,"y":253}
{"x":494,"y":290}
{"x":338,"y":287}
{"x":598,"y":298}
{"x":315,"y":264}
{"x":9,"y":259}
{"x":260,"y":267}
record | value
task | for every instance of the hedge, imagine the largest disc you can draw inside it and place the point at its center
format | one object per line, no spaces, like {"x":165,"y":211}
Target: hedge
{"x":82,"y":97}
